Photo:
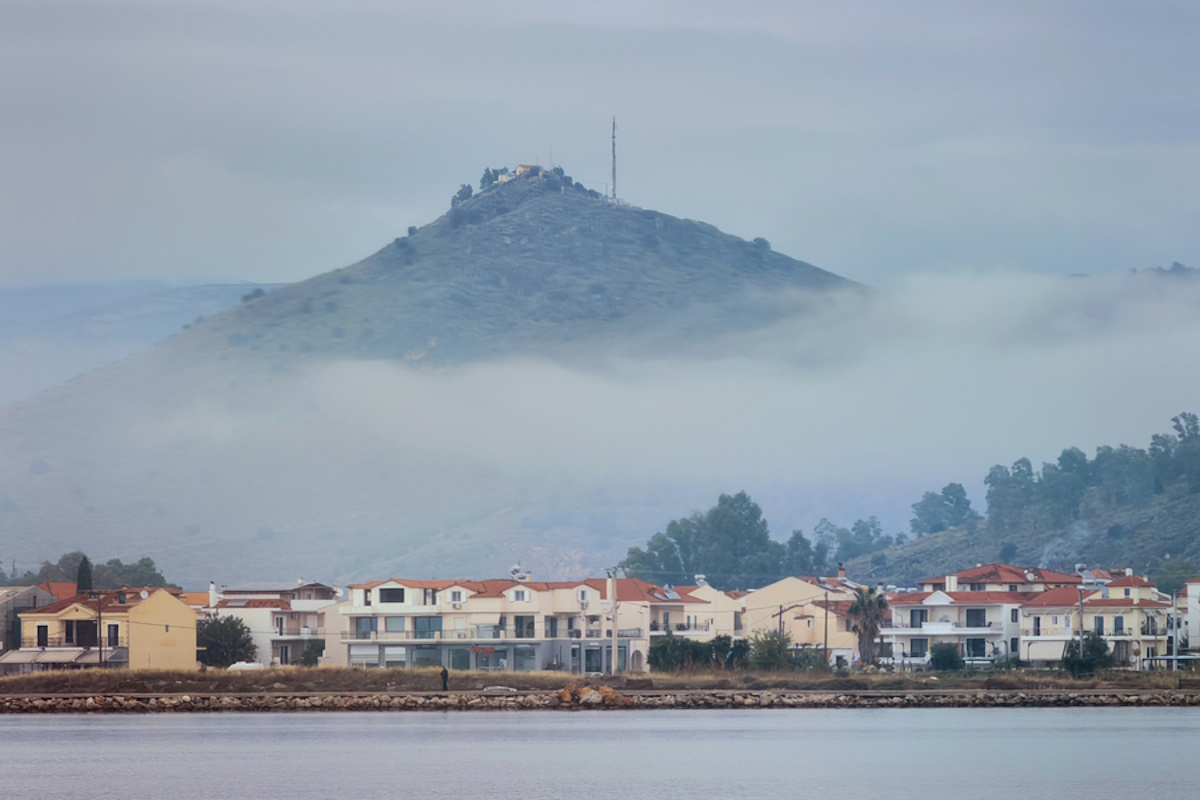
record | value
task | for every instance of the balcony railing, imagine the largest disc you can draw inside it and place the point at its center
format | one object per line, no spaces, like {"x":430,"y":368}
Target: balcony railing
{"x":680,"y":627}
{"x":474,"y":633}
{"x":61,"y":641}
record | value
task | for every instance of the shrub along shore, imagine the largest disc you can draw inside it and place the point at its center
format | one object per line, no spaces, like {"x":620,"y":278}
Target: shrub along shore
{"x":292,"y":689}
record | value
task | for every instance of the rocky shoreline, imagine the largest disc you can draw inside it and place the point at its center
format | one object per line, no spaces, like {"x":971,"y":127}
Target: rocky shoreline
{"x":583,"y":698}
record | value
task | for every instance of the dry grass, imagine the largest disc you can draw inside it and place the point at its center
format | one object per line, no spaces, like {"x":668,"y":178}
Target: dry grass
{"x":296,"y":679}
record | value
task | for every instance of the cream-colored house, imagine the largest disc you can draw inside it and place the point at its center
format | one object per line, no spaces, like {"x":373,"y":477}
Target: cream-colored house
{"x":985,"y":625}
{"x":1129,"y":612}
{"x":133,"y":628}
{"x":518,"y":624}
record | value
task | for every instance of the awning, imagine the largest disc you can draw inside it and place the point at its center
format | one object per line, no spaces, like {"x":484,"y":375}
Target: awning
{"x":19,"y":656}
{"x":117,"y":655}
{"x":59,"y":656}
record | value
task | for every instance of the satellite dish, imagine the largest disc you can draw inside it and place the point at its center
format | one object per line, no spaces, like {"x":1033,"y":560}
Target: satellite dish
{"x":143,"y":594}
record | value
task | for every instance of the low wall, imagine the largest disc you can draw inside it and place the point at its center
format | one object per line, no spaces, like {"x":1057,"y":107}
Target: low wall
{"x":597,"y":698}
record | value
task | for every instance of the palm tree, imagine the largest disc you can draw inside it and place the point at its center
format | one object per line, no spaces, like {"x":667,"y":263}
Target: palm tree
{"x":867,"y":612}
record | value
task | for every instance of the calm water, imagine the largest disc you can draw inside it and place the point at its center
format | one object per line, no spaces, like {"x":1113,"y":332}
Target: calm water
{"x":670,"y":755}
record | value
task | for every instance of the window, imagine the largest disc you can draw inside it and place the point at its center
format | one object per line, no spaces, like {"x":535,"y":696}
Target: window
{"x":69,"y":632}
{"x":114,"y":639}
{"x":976,"y":618}
{"x":919,"y":648}
{"x":365,"y":627}
{"x":456,"y":596}
{"x":1014,"y":616}
{"x":917,"y":617}
{"x":1118,"y":626}
{"x":430,"y":597}
{"x":809,"y":620}
{"x":520,"y":595}
{"x":43,"y":635}
{"x":366,"y":597}
{"x":583,"y":595}
{"x":1014,"y":646}
{"x":551,"y":627}
{"x":849,"y":624}
{"x":1037,"y":626}
{"x":1127,"y":592}
{"x":393,"y":624}
{"x":391,"y":595}
{"x":1098,"y":625}
{"x":1012,"y":587}
{"x":976,"y":587}
{"x":1054,"y":620}
{"x":976,"y":648}
{"x":427,"y":627}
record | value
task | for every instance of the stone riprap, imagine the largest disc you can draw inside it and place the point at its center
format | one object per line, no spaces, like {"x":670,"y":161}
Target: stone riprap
{"x":585,"y":698}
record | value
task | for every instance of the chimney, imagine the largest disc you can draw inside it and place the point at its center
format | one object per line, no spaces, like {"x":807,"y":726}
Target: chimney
{"x":299,"y":581}
{"x":1128,"y":572}
{"x":213,"y":596}
{"x":841,"y":571}
{"x":951,"y":583}
{"x":700,"y":580}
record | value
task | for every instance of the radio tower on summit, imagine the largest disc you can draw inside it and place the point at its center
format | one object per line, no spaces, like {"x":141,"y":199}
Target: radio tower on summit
{"x":614,"y":160}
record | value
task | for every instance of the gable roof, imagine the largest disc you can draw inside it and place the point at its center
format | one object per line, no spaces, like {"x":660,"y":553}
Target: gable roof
{"x":62,"y":590}
{"x":1006,"y":573}
{"x":1131,"y":580}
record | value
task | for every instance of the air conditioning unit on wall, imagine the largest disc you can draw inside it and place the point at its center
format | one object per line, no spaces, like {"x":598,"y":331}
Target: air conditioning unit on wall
{"x":583,"y":603}
{"x":457,"y":605}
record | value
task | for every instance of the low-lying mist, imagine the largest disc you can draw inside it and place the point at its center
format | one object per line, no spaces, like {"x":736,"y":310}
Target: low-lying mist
{"x":852,"y":406}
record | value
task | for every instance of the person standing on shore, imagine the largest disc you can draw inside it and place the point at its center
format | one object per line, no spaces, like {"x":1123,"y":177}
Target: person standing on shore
{"x":445,"y":679}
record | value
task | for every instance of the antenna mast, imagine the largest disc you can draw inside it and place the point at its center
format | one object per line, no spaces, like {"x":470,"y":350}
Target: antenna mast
{"x":614,"y":160}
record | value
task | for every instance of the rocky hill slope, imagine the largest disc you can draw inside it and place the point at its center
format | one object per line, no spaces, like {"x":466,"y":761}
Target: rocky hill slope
{"x":294,"y":432}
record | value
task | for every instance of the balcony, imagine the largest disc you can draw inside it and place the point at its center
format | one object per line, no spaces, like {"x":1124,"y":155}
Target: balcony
{"x":679,"y":627}
{"x":990,"y":628}
{"x":60,"y":641}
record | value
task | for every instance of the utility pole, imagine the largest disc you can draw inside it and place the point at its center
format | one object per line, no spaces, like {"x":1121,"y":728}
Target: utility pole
{"x":614,"y":160}
{"x":612,"y":596}
{"x":826,"y":626}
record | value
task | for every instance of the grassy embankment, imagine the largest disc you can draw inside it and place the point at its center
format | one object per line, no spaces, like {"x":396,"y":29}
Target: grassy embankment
{"x":294,"y":679}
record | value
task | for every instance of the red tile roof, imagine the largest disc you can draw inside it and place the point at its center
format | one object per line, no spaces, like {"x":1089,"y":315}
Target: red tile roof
{"x":1006,"y":573}
{"x":1130,"y":580}
{"x":62,"y":590}
{"x":1069,"y":596}
{"x":255,"y":602}
{"x":963,"y":598}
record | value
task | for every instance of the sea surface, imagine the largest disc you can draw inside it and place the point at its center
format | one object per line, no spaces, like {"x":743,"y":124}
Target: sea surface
{"x":661,"y":755}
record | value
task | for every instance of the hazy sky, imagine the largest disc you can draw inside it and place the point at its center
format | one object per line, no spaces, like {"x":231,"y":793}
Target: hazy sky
{"x":275,"y":140}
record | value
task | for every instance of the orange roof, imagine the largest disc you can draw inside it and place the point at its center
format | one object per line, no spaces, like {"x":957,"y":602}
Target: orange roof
{"x":1006,"y":573}
{"x":1131,"y":580}
{"x":108,"y":602}
{"x":195,"y":598}
{"x":1069,"y":596}
{"x":961,"y":598}
{"x":255,"y":602}
{"x":62,"y":590}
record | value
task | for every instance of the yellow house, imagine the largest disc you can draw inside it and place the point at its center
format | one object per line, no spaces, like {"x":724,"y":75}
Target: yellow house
{"x":128,"y":628}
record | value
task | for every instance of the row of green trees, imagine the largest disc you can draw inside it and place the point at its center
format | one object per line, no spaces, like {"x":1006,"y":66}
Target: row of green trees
{"x":731,"y":545}
{"x":1021,"y":497}
{"x":112,"y":574}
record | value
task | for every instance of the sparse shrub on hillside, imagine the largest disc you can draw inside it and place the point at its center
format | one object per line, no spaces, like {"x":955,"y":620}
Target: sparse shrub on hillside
{"x":1008,"y":553}
{"x":463,"y":194}
{"x":761,"y":247}
{"x":412,"y":230}
{"x":252,"y":296}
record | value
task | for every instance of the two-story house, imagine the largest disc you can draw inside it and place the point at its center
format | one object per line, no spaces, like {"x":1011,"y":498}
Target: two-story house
{"x":131,"y":628}
{"x":283,"y":618}
{"x":1129,"y":612}
{"x":14,"y":600}
{"x":983,"y":624}
{"x":514,"y":624}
